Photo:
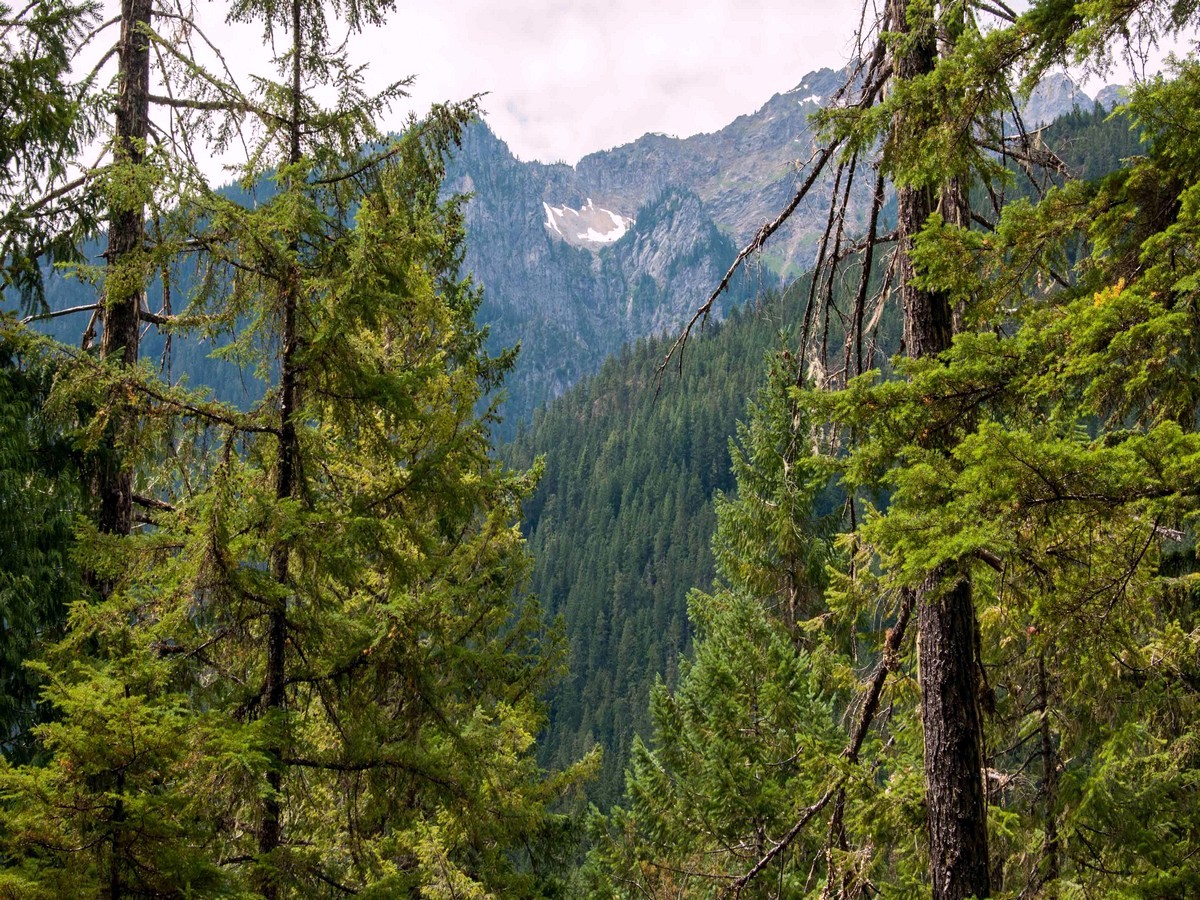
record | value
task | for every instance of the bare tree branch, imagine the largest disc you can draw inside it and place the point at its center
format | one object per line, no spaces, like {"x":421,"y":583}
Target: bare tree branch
{"x":54,"y":314}
{"x":891,"y":651}
{"x":817,"y":166}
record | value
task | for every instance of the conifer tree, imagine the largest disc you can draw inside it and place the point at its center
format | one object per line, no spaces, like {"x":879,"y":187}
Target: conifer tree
{"x":42,"y":124}
{"x":40,"y":489}
{"x":309,"y":674}
{"x":932,"y":95}
{"x":751,"y":727}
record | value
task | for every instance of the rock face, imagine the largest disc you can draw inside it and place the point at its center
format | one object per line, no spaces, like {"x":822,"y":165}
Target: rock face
{"x":1057,"y":94}
{"x":1110,"y":95}
{"x":572,"y":272}
{"x":576,"y":261}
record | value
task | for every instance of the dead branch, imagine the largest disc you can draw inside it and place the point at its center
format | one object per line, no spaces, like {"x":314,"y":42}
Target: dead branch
{"x":860,"y":297}
{"x":54,"y":314}
{"x":817,"y":166}
{"x":809,"y":814}
{"x":152,"y":503}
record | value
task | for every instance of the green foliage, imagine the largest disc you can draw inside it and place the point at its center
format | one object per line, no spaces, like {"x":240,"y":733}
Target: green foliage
{"x":737,"y":747}
{"x":749,"y":732}
{"x":413,"y":680}
{"x":44,"y":121}
{"x":39,"y":491}
{"x":620,"y":523}
{"x":310,"y":669}
{"x":769,"y":540}
{"x":1071,"y":416}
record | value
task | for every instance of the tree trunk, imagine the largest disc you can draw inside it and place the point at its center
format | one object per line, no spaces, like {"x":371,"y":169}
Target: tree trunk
{"x":123,"y":285}
{"x":947,"y":665}
{"x":954,"y":796}
{"x":1049,"y":791}
{"x":270,"y":835}
{"x":126,"y":237}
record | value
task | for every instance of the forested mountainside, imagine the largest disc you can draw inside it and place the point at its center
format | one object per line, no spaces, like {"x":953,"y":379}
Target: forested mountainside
{"x":622,"y":519}
{"x":283,"y":645}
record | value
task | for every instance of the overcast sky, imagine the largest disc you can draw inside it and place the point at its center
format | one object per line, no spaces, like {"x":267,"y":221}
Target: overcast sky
{"x":567,"y":77}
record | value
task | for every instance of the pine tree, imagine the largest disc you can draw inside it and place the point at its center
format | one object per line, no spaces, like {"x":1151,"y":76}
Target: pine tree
{"x":42,"y":124}
{"x":930,"y":102}
{"x":1037,"y":498}
{"x":310,"y":673}
{"x":751,"y":727}
{"x":40,"y":487}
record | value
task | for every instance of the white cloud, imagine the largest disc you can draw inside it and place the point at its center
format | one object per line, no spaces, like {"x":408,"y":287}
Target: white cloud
{"x":564,"y":78}
{"x":567,"y":78}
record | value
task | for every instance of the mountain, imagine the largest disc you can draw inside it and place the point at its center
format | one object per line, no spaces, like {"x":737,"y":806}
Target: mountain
{"x":1110,"y":95}
{"x":1056,"y":95}
{"x":574,"y":274}
{"x":619,"y":526}
{"x":577,"y":261}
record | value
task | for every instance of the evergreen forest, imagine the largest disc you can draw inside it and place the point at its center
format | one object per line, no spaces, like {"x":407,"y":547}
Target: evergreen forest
{"x":884,"y":585}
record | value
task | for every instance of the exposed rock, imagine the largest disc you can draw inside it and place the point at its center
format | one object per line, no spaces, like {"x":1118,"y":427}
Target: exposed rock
{"x":578,"y":260}
{"x":1110,"y":95}
{"x":1056,"y":95}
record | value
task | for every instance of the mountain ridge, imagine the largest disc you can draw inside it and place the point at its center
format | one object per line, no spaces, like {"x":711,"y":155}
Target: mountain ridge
{"x":577,"y":260}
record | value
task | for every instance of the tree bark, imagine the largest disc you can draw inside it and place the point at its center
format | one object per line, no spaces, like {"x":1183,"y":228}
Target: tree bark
{"x":126,"y":237}
{"x":270,"y":836}
{"x":948,"y":655}
{"x":1050,"y":845}
{"x":950,"y":717}
{"x":123,"y":285}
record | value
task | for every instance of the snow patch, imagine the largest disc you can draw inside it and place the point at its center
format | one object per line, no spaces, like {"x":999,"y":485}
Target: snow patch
{"x":587,"y":226}
{"x":551,"y":219}
{"x":811,"y":98}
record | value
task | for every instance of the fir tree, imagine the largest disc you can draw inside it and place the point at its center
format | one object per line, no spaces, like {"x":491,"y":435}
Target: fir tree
{"x":1065,"y":521}
{"x":310,"y":672}
{"x":750,"y":729}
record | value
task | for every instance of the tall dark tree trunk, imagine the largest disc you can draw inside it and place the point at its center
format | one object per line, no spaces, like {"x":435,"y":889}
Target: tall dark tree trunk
{"x":1049,"y":790}
{"x":950,"y":716}
{"x":126,"y":238}
{"x":947,"y":642}
{"x":123,"y":287}
{"x":270,"y":835}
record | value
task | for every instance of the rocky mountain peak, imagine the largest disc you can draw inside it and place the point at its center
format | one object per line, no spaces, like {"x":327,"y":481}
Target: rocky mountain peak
{"x":1110,"y":95}
{"x":576,"y":261}
{"x":1056,"y":95}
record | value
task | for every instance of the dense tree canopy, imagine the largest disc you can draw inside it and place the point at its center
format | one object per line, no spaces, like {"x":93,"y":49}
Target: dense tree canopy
{"x":299,"y":660}
{"x":952,"y":646}
{"x":1018,"y":496}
